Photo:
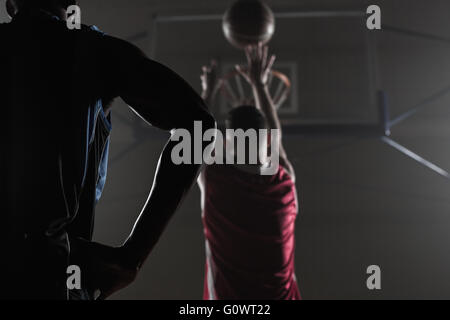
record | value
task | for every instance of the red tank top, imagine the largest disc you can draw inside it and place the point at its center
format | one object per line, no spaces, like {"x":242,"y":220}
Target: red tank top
{"x":249,"y":223}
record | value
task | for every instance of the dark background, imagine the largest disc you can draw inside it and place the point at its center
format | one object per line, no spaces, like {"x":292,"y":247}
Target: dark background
{"x":363,"y":203}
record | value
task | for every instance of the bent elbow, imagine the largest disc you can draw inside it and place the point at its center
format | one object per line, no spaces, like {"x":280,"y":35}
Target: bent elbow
{"x":192,"y":116}
{"x":204,"y":117}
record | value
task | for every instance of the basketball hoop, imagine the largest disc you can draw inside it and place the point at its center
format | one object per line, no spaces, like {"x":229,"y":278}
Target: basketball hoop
{"x":236,"y":91}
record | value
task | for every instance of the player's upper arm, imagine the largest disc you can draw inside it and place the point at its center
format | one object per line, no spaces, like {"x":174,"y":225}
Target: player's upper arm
{"x":154,"y":91}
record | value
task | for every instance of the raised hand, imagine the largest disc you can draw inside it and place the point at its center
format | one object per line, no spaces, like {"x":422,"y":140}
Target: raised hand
{"x":257,"y":73}
{"x":209,"y":80}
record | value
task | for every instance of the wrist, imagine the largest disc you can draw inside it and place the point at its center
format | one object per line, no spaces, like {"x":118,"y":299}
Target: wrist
{"x":128,"y":257}
{"x":259,"y":86}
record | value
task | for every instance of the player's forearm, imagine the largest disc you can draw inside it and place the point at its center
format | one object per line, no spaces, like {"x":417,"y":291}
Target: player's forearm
{"x":265,"y":104}
{"x":171,"y":184}
{"x":207,"y":98}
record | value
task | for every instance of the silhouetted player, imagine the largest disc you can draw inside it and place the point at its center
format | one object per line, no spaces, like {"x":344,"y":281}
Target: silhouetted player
{"x":56,"y":88}
{"x":249,"y":218}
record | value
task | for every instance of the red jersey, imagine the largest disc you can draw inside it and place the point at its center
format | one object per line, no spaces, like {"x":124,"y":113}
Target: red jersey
{"x":249,"y":223}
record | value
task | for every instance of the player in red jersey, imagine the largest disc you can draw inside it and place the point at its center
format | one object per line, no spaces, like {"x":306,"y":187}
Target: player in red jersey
{"x":248,"y":217}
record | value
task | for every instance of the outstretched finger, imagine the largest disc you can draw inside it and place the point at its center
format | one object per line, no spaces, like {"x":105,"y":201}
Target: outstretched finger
{"x":259,"y":50}
{"x":251,"y":52}
{"x":265,"y":55}
{"x":271,"y":63}
{"x":204,"y":80}
{"x":205,"y":69}
{"x":248,"y":54}
{"x":242,"y":72}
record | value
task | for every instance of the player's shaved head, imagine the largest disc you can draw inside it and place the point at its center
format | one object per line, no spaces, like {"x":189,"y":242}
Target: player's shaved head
{"x":246,"y":117}
{"x":13,"y":6}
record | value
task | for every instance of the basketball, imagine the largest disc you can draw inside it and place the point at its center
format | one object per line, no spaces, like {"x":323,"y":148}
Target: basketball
{"x":248,"y":22}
